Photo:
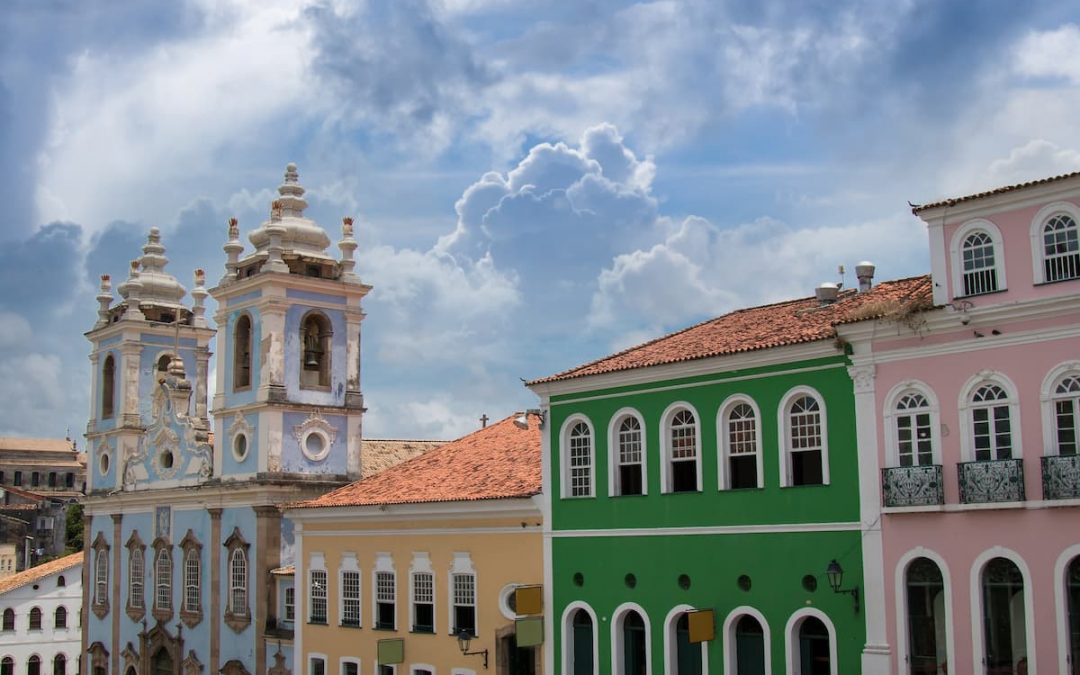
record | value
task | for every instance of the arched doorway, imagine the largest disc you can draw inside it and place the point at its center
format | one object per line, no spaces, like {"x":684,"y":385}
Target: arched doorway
{"x":688,"y":656}
{"x":1072,"y":593}
{"x":1004,"y":617}
{"x":926,"y":623}
{"x":581,"y":649}
{"x":814,"y":650}
{"x":749,"y":647}
{"x":161,"y":663}
{"x":633,"y":638}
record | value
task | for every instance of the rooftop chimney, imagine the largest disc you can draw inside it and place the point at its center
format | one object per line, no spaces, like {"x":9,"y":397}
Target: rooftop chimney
{"x":865,"y":272}
{"x":826,"y":293}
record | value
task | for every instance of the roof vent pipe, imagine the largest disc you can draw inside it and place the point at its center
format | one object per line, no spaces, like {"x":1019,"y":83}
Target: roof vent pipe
{"x":865,"y":273}
{"x":826,"y":293}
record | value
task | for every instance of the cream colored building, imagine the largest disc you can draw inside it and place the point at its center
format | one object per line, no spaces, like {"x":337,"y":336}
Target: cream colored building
{"x":419,"y":553}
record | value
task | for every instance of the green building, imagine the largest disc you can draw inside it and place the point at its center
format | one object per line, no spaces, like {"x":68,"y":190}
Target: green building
{"x":711,"y":469}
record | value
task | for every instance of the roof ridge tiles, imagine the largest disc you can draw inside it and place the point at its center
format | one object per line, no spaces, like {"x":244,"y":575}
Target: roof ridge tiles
{"x":952,"y":201}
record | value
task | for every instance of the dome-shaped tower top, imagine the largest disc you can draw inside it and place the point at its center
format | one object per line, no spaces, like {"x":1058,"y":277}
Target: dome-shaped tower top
{"x":156,"y":287}
{"x":299,"y":235}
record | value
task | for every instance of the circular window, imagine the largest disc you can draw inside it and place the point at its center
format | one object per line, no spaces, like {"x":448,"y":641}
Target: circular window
{"x":315,"y":444}
{"x":579,"y":579}
{"x":809,"y":582}
{"x":508,"y":601}
{"x":103,"y":463}
{"x":631,"y":581}
{"x":684,"y":581}
{"x":744,"y":582}
{"x":240,"y":446}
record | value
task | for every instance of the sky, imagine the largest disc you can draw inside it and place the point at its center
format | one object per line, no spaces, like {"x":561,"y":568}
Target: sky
{"x":535,"y":184}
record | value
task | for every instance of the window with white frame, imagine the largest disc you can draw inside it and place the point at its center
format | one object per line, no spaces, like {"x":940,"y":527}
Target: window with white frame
{"x":979,"y":271}
{"x":317,"y":594}
{"x":740,"y":442}
{"x":991,"y":423}
{"x":464,"y":603}
{"x":1066,"y":402}
{"x":1060,"y":248}
{"x":385,"y":600}
{"x":914,"y":430}
{"x":350,"y":667}
{"x":349,"y":574}
{"x":682,"y":451}
{"x":422,"y":590}
{"x":580,"y":459}
{"x":101,"y":578}
{"x":805,"y":447}
{"x":318,"y":666}
{"x":136,"y":576}
{"x":192,"y":581}
{"x":238,"y":582}
{"x":163,"y":580}
{"x":629,"y":474}
{"x":290,"y":603}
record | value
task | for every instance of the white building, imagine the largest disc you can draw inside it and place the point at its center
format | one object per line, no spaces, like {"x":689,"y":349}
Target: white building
{"x":40,"y":611}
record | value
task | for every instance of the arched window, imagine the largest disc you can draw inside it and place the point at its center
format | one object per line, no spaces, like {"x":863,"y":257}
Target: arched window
{"x":9,"y":619}
{"x":1066,"y":400}
{"x":991,"y":423}
{"x":59,"y":665}
{"x":33,"y":665}
{"x":914,"y":430}
{"x":7,"y":666}
{"x":740,"y":446}
{"x":682,"y":451}
{"x":315,"y":335}
{"x":163,"y":580}
{"x":242,"y":353}
{"x":1060,"y":248}
{"x":163,"y":363}
{"x":629,"y":475}
{"x":238,"y":582}
{"x":108,"y":386}
{"x":60,"y":582}
{"x":815,"y":652}
{"x":805,"y":447}
{"x":980,"y":270}
{"x":35,"y":618}
{"x":1072,"y":595}
{"x":1004,"y":617}
{"x":926,"y":624}
{"x":634,"y":655}
{"x":136,"y":574}
{"x":749,"y":650}
{"x":577,"y":459}
{"x":60,"y":617}
{"x":192,"y":579}
{"x":580,"y":649}
{"x":687,"y":655}
{"x":101,"y":577}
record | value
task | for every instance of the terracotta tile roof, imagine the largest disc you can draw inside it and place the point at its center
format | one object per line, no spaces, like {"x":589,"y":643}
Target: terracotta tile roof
{"x":745,"y":330}
{"x":42,"y":444}
{"x":378,"y":455}
{"x":918,"y":208}
{"x":40,"y":572}
{"x":501,"y":461}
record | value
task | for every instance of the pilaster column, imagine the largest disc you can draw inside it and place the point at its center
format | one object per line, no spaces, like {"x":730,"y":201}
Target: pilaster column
{"x":202,"y":368}
{"x":215,"y":591}
{"x":876,"y":652}
{"x":129,"y":374}
{"x":272,"y":371}
{"x":267,"y":557}
{"x":84,"y":611}
{"x":117,"y":545}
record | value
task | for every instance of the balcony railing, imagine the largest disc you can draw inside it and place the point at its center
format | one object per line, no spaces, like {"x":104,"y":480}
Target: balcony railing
{"x":1061,"y":477}
{"x":998,"y":480}
{"x":912,"y":485}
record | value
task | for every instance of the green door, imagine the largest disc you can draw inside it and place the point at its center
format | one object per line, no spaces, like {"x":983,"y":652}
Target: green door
{"x":749,"y":647}
{"x":633,"y":645}
{"x":814,"y":657}
{"x":583,"y":644}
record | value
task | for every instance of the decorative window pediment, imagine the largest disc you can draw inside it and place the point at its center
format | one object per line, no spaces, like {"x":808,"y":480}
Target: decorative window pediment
{"x":100,"y":598}
{"x":191,"y":599}
{"x":191,"y":664}
{"x":315,"y":435}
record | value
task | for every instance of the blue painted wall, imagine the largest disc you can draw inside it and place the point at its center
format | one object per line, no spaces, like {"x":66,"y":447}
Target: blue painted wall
{"x":226,"y":361}
{"x":250,"y":464}
{"x":294,"y":355}
{"x":295,"y":461}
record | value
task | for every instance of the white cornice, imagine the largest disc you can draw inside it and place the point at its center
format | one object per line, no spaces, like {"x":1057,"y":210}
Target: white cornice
{"x":222,"y":495}
{"x":711,"y":530}
{"x":485,"y":508}
{"x":274,"y":283}
{"x":448,"y":530}
{"x":707,"y":366}
{"x":133,"y":329}
{"x":994,"y":204}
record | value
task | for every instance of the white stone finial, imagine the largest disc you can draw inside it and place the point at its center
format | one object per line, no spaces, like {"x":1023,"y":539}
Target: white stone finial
{"x":198,"y":296}
{"x":104,"y":299}
{"x":348,"y":247}
{"x":233,"y":248}
{"x":134,"y":290}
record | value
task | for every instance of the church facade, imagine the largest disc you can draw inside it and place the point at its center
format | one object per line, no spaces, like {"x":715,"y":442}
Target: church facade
{"x":183,"y":533}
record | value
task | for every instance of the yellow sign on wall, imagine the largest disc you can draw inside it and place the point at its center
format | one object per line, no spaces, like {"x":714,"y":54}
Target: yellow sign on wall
{"x":702,"y":625}
{"x":391,"y":651}
{"x":529,"y":600}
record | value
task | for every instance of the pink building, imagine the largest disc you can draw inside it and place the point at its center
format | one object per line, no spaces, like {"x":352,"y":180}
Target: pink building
{"x":967,"y":422}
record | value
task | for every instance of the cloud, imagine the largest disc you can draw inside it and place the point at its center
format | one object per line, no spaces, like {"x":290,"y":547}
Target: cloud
{"x":1050,"y":54}
{"x":1036,"y":159}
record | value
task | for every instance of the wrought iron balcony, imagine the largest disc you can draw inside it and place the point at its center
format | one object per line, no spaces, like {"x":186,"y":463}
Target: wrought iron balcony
{"x":996,"y":480}
{"x":1061,"y":476}
{"x":912,"y":485}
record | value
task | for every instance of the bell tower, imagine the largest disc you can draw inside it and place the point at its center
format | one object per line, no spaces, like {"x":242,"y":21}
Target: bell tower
{"x":288,"y":399}
{"x":139,"y":343}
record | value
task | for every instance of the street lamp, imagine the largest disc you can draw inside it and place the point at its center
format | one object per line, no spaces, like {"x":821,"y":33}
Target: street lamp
{"x":463,"y":639}
{"x":835,"y":573}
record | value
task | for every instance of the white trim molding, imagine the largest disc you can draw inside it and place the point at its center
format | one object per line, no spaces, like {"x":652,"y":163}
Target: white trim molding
{"x":784,"y":446}
{"x":977,"y":647}
{"x":791,"y":639}
{"x":723,"y":440}
{"x":1038,"y":252}
{"x":901,"y":602}
{"x":617,"y":618}
{"x":566,"y":625}
{"x":614,"y":484}
{"x":731,"y":651}
{"x":666,"y":479}
{"x":671,"y":656}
